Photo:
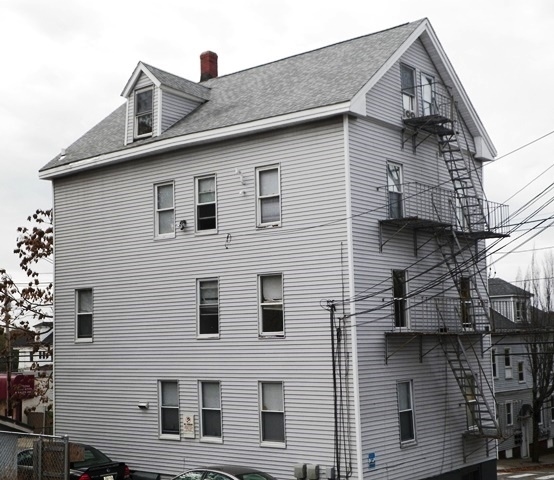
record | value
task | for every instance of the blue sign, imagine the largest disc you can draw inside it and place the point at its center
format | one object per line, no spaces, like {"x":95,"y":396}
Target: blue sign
{"x":371,"y":460}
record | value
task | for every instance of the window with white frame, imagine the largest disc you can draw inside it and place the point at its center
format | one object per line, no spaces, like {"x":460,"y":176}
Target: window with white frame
{"x":169,"y":407}
{"x":428,"y":94}
{"x":521,"y":371}
{"x":508,"y":406}
{"x":470,"y":390}
{"x":406,"y":411}
{"x":399,"y":278}
{"x":272,"y":412}
{"x":208,"y":307}
{"x":84,"y":314}
{"x":165,"y":210}
{"x":268,"y":194}
{"x":521,"y":312}
{"x":494,"y":364}
{"x":271,"y":305}
{"x":508,"y":364}
{"x":407,"y":84}
{"x":210,"y":425}
{"x":143,"y":112}
{"x":206,"y":203}
{"x":395,"y":190}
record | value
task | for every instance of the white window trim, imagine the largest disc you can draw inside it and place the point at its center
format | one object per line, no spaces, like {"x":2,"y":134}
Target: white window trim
{"x":265,"y":443}
{"x":494,"y":364}
{"x":413,"y":110}
{"x":521,"y":371}
{"x":261,"y":333}
{"x":196,"y":204}
{"x":411,"y":441}
{"x":158,"y":235}
{"x":203,"y":438}
{"x":207,"y":335}
{"x":508,"y":370}
{"x":168,"y":436}
{"x":136,"y":136}
{"x":259,"y":198}
{"x":77,"y":338}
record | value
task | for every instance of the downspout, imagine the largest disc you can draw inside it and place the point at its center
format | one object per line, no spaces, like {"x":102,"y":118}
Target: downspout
{"x":351,"y":286}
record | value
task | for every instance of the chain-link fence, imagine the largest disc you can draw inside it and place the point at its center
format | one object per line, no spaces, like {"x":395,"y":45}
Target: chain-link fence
{"x":33,"y":457}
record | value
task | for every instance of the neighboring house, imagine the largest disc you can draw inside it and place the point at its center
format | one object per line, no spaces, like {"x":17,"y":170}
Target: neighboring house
{"x":511,"y":307}
{"x":211,"y":235}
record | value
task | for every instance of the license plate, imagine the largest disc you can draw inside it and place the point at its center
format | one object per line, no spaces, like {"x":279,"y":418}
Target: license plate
{"x":109,"y":477}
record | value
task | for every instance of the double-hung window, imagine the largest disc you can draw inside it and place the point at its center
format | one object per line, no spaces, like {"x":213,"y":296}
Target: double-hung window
{"x":272,"y":412}
{"x":508,"y":363}
{"x":143,"y":112}
{"x":406,"y":411}
{"x":509,"y":413}
{"x":84,"y":314}
{"x":165,"y":210}
{"x":271,"y":305}
{"x":268,"y":194}
{"x":521,"y":372}
{"x":208,"y":308}
{"x":206,"y":204}
{"x":211,"y":410}
{"x":169,"y":408}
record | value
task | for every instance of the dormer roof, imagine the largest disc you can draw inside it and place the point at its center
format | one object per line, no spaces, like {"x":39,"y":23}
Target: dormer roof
{"x":329,"y":81}
{"x":502,"y":288}
{"x":167,"y":80}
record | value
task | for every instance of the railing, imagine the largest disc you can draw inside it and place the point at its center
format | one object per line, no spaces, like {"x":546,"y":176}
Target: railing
{"x":440,"y":205}
{"x":434,"y":314}
{"x":431,"y":99}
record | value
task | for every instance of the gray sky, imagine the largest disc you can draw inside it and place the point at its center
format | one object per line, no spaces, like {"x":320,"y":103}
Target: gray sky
{"x":65,"y":63}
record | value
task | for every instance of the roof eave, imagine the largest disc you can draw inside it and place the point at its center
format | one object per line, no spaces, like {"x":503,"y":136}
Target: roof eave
{"x":207,"y":136}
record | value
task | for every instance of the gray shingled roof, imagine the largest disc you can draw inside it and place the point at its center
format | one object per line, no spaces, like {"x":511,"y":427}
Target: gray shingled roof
{"x":179,"y":83}
{"x":502,"y":288}
{"x":319,"y":78}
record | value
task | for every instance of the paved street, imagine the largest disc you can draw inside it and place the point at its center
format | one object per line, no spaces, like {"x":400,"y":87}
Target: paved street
{"x":546,"y":474}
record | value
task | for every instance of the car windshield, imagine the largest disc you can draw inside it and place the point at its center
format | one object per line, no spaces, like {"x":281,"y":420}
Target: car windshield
{"x":91,"y":457}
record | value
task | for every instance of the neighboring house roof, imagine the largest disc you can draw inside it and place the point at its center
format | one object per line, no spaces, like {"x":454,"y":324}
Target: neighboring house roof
{"x":323,"y":82}
{"x":21,"y":339}
{"x":502,"y":288}
{"x":502,"y":323}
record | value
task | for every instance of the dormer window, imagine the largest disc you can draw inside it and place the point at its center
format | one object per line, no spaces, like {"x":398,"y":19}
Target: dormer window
{"x":143,"y":112}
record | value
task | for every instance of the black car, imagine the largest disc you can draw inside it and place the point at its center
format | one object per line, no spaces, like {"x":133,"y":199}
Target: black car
{"x":85,"y":463}
{"x":224,"y":472}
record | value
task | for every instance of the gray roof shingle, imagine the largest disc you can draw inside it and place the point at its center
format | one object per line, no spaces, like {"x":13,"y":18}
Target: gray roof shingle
{"x":323,"y":77}
{"x":502,"y":288}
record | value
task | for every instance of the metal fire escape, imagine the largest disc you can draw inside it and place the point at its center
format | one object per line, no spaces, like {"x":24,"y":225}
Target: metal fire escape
{"x":457,"y":235}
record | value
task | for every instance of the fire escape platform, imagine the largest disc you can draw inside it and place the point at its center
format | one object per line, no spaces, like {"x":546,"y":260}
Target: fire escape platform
{"x":435,"y":124}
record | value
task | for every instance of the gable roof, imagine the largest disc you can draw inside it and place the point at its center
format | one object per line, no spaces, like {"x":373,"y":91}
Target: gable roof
{"x":320,"y":83}
{"x":502,"y":288}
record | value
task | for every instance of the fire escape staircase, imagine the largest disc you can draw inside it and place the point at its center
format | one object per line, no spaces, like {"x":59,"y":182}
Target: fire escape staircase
{"x":482,"y":421}
{"x":458,"y":246}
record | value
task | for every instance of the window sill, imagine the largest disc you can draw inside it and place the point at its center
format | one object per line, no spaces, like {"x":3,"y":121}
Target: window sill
{"x":166,"y":436}
{"x":211,"y":440}
{"x":83,"y":340}
{"x":261,"y":226}
{"x":208,"y":337}
{"x":408,"y":444}
{"x":206,"y":232}
{"x":164,"y":237}
{"x":273,"y":445}
{"x":270,"y":336}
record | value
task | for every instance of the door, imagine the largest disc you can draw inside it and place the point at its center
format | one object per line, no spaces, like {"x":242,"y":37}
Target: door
{"x":525,"y":437}
{"x":428,"y":94}
{"x":465,"y":303}
{"x":399,"y":298}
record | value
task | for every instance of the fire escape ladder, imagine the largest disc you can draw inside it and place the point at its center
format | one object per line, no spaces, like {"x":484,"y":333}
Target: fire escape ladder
{"x":463,"y":267}
{"x":482,"y":421}
{"x":470,"y":210}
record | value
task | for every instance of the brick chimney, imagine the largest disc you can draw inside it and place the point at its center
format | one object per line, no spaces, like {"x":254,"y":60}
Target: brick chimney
{"x":208,"y":65}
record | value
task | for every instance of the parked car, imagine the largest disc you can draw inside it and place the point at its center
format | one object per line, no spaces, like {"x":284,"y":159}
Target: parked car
{"x":85,"y":463}
{"x":224,"y":472}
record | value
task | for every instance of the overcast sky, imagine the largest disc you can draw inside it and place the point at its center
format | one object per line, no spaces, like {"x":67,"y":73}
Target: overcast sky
{"x":65,"y":62}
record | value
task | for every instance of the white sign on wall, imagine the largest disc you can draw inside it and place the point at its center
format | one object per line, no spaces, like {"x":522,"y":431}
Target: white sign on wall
{"x":187,"y":422}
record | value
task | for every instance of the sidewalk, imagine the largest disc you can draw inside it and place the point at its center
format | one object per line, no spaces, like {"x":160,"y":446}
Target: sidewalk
{"x":523,"y":464}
